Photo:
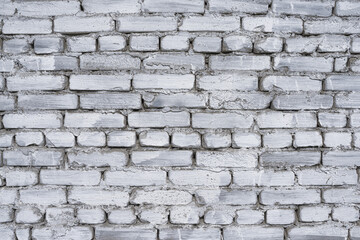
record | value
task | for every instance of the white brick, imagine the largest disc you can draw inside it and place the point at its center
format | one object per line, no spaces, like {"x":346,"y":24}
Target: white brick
{"x":304,"y":64}
{"x":112,"y":43}
{"x":30,"y":157}
{"x":159,"y":119}
{"x":268,"y":45}
{"x":218,"y":217}
{"x":25,"y":139}
{"x":8,"y":7}
{"x":6,"y":139}
{"x":308,"y":139}
{"x":122,"y":216}
{"x":161,"y":197}
{"x":185,"y":215}
{"x":230,"y":158}
{"x":177,"y":100}
{"x":69,"y":177}
{"x":60,"y":216}
{"x":334,"y":43}
{"x":207,"y":44}
{"x":91,"y":216}
{"x":237,"y":43}
{"x":254,"y":232}
{"x":35,"y":82}
{"x":266,"y":178}
{"x":225,"y":197}
{"x":6,"y":65}
{"x":200,"y":177}
{"x":48,"y":8}
{"x":341,"y":196}
{"x":331,"y":26}
{"x":156,"y":215}
{"x":241,"y":6}
{"x":351,"y":100}
{"x":115,"y":159}
{"x":332,"y":119}
{"x":22,"y":233}
{"x":144,"y":43}
{"x":320,"y":231}
{"x":175,"y":43}
{"x":339,"y":158}
{"x":273,"y":119}
{"x":355,"y":45}
{"x":249,"y":217}
{"x":110,"y":101}
{"x":8,"y":196}
{"x":345,"y":214}
{"x":81,"y":44}
{"x":7,"y":214}
{"x":121,"y":139}
{"x":43,"y":196}
{"x":356,"y":140}
{"x":27,"y":26}
{"x":272,"y":24}
{"x":162,"y":158}
{"x":355,"y":119}
{"x":16,"y":46}
{"x":74,"y":24}
{"x":233,"y":82}
{"x":186,"y":140}
{"x":175,"y":61}
{"x":347,"y":8}
{"x":46,"y":45}
{"x":291,"y":196}
{"x":210,"y":24}
{"x":302,"y":44}
{"x":280,"y":216}
{"x":221,"y":120}
{"x":28,"y":215}
{"x":97,"y":196}
{"x":354,"y":232}
{"x":234,"y":100}
{"x":104,"y":232}
{"x":135,"y":178}
{"x":337,"y":139}
{"x":119,"y":82}
{"x":167,"y":81}
{"x":217,"y":140}
{"x":314,"y":213}
{"x":327,"y":177}
{"x":246,"y":140}
{"x":342,"y":83}
{"x":21,"y":178}
{"x":290,"y":158}
{"x":246,"y":62}
{"x":91,"y":139}
{"x":154,"y":139}
{"x":298,"y":7}
{"x":48,"y":101}
{"x":7,"y":103}
{"x":115,"y":6}
{"x":94,"y":120}
{"x":175,"y":6}
{"x":76,"y":232}
{"x":48,"y":63}
{"x":108,"y":62}
{"x":133,"y":24}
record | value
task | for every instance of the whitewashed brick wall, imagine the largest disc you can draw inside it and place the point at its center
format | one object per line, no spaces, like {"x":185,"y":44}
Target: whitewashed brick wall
{"x":179,"y":119}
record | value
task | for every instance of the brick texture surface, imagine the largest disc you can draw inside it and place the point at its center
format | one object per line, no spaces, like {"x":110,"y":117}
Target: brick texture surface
{"x":179,"y":119}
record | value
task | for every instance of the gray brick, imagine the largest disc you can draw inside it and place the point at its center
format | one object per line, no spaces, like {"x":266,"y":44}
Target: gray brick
{"x":217,"y":140}
{"x":108,"y":62}
{"x":49,"y":63}
{"x":351,"y":100}
{"x":78,"y":232}
{"x":296,"y":7}
{"x":166,"y":81}
{"x":338,"y":158}
{"x":91,"y":139}
{"x":122,"y":216}
{"x":327,"y":177}
{"x":27,"y":26}
{"x":7,"y":214}
{"x":28,"y":215}
{"x":334,"y":43}
{"x":175,"y":43}
{"x":69,"y":177}
{"x":25,"y":139}
{"x":250,"y":63}
{"x":6,"y":65}
{"x":43,"y":196}
{"x":218,"y":217}
{"x":7,"y":103}
{"x":249,"y":217}
{"x":20,"y":178}
{"x":8,"y":7}
{"x":161,"y":197}
{"x":272,"y":24}
{"x":302,"y":44}
{"x":106,"y":232}
{"x":60,"y":139}
{"x":132,"y":24}
{"x":342,"y":83}
{"x":188,"y":100}
{"x":355,"y":45}
{"x":74,"y":24}
{"x":91,"y":216}
{"x":304,"y":64}
{"x":46,"y":45}
{"x":221,"y":120}
{"x":48,"y":101}
{"x":163,"y":158}
{"x":246,"y":140}
{"x":135,"y":178}
{"x":280,"y":216}
{"x":176,"y":6}
{"x":290,"y":159}
{"x":16,"y":46}
{"x":210,"y":24}
{"x":308,"y":139}
{"x":111,"y":101}
{"x":331,"y":120}
{"x":121,"y":139}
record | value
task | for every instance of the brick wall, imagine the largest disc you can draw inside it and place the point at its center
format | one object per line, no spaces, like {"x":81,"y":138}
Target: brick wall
{"x":179,"y":119}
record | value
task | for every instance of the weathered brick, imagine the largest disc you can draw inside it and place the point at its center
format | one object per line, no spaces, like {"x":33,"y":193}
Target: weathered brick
{"x":263,"y":178}
{"x":32,"y":120}
{"x":290,"y":196}
{"x":105,"y":158}
{"x":302,"y":44}
{"x":161,"y":197}
{"x":334,"y":43}
{"x":91,"y":216}
{"x":174,"y":61}
{"x":337,"y":139}
{"x":210,"y":24}
{"x":7,"y":214}
{"x":341,"y":196}
{"x":250,"y":63}
{"x":94,"y":120}
{"x":28,"y":215}
{"x":355,"y":45}
{"x":200,"y":177}
{"x":342,"y":83}
{"x":217,"y":140}
{"x":121,"y":139}
{"x":347,"y":8}
{"x":16,"y":45}
{"x":46,"y":45}
{"x":185,"y":215}
{"x":166,"y":81}
{"x":81,"y":44}
{"x":338,"y":158}
{"x":254,"y":232}
{"x":237,"y":43}
{"x":111,"y":101}
{"x":176,"y":6}
{"x":48,"y":8}
{"x":235,"y":81}
{"x":245,"y":140}
{"x":234,"y":100}
{"x":320,"y":231}
{"x":135,"y":178}
{"x":332,"y":119}
{"x":21,"y":178}
{"x":162,"y":158}
{"x":60,"y":216}
{"x":122,"y":216}
{"x":234,"y":158}
{"x":33,"y":157}
{"x":48,"y":101}
{"x":69,"y":177}
{"x":314,"y":213}
{"x":249,"y":216}
{"x":120,"y":82}
{"x":280,"y":216}
{"x":91,"y":139}
{"x":77,"y":232}
{"x":27,"y":26}
{"x":154,"y":139}
{"x":273,"y":119}
{"x":106,"y":232}
{"x":351,"y":100}
{"x":6,"y":65}
{"x":186,"y":140}
{"x":25,"y":139}
{"x":35,"y":82}
{"x":268,"y":45}
{"x":144,"y":43}
{"x":132,"y":24}
{"x":201,"y":233}
{"x":159,"y":119}
{"x":355,"y":119}
{"x":331,"y":26}
{"x":175,"y":43}
{"x":221,"y":120}
{"x":345,"y":214}
{"x":111,"y":43}
{"x":207,"y":44}
{"x":115,"y":6}
{"x":272,"y":24}
{"x":327,"y":177}
{"x":299,"y":7}
{"x":300,"y":101}
{"x":304,"y":64}
{"x":8,"y":8}
{"x":74,"y":24}
{"x":288,"y":159}
{"x":154,"y":215}
{"x":108,"y":62}
{"x":43,"y":196}
{"x":49,"y":63}
{"x":7,"y":103}
{"x":308,"y":139}
{"x":187,"y":100}
{"x":218,"y":217}
{"x":6,"y":140}
{"x":8,"y":196}
{"x":229,"y":6}
{"x":97,"y":196}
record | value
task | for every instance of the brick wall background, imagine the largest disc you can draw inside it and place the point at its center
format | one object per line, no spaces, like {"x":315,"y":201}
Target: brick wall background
{"x":179,"y":119}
